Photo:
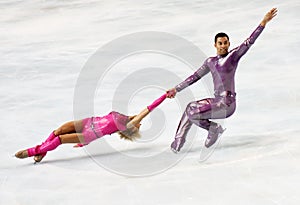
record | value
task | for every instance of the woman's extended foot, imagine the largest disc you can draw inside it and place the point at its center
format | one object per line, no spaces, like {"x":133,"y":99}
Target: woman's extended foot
{"x":22,"y":154}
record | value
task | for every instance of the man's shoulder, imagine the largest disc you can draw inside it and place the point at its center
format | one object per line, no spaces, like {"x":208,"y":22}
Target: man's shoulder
{"x":210,"y":59}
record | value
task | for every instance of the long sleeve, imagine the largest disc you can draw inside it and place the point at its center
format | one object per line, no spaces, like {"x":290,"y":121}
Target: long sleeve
{"x":244,"y":47}
{"x":202,"y":71}
{"x":157,"y":102}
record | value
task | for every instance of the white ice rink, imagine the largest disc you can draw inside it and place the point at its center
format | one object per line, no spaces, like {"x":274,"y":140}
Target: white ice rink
{"x":44,"y":46}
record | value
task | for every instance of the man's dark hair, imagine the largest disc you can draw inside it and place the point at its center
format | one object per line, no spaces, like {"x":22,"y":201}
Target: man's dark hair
{"x":221,"y":35}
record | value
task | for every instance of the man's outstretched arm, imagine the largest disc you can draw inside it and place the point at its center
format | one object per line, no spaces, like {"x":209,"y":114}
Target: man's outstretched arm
{"x":244,"y":47}
{"x":202,"y":71}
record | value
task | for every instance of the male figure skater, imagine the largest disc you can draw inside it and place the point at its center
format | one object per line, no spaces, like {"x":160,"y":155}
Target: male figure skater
{"x":222,"y":67}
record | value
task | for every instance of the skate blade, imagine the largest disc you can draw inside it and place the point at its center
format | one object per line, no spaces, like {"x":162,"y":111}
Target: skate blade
{"x":175,"y":151}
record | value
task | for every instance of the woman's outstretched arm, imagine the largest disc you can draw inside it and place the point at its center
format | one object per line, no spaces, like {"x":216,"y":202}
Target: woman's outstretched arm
{"x":135,"y":122}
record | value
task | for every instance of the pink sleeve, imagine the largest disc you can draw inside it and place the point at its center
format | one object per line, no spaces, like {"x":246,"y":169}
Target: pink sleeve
{"x":157,"y":102}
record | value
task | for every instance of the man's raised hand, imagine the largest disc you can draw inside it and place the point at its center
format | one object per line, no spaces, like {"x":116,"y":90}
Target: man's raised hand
{"x":269,"y":16}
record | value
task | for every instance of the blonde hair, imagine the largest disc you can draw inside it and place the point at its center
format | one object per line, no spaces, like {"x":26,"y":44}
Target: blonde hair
{"x":131,"y":133}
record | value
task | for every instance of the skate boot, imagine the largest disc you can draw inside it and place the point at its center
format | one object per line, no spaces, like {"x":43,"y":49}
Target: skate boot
{"x":39,"y":157}
{"x":177,"y":144}
{"x":22,"y":154}
{"x":213,"y":134}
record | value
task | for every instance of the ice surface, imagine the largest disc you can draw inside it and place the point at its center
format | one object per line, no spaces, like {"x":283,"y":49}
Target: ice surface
{"x":46,"y":44}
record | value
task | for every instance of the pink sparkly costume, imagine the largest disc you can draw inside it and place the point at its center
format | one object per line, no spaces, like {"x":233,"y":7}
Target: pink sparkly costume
{"x":97,"y":127}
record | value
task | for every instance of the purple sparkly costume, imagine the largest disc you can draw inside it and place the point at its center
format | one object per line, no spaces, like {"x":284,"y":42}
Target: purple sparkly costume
{"x":223,"y":105}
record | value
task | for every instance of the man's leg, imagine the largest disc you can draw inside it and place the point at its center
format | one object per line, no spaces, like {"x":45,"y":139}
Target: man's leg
{"x":199,"y":113}
{"x":197,"y":110}
{"x":182,"y":130}
{"x":212,"y":108}
{"x":191,"y":115}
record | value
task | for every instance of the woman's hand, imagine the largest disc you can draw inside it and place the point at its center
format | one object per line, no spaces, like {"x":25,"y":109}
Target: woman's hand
{"x":78,"y":145}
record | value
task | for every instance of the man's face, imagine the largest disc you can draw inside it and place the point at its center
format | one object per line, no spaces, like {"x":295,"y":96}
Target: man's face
{"x":222,"y":45}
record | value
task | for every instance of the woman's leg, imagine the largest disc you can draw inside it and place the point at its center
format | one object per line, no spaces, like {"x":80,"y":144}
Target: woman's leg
{"x":57,"y":137}
{"x":69,"y":127}
{"x":48,"y":146}
{"x":53,"y":144}
{"x":71,"y":138}
{"x":60,"y":138}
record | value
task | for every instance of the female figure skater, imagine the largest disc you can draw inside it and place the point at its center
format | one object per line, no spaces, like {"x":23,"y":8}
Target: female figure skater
{"x":89,"y":129}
